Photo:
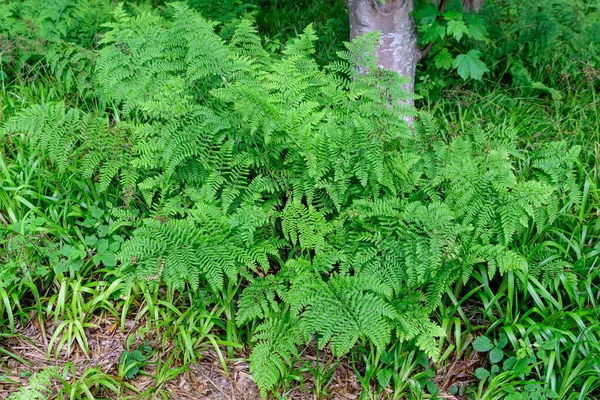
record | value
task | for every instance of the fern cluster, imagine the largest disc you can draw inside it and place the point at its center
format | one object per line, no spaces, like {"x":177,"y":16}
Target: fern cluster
{"x":304,"y":182}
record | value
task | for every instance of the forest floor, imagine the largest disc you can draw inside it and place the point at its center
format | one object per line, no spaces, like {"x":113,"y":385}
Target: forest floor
{"x":157,"y":378}
{"x":203,"y":380}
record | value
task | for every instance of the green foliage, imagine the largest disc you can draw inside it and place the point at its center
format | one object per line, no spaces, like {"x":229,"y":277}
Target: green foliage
{"x":39,"y":387}
{"x":306,"y":181}
{"x":469,"y":65}
{"x":131,"y":362}
{"x":527,"y":38}
{"x":442,"y":33}
{"x":288,"y":202}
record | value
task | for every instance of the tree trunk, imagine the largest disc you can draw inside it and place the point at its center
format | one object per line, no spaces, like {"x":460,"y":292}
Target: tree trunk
{"x":397,"y":49}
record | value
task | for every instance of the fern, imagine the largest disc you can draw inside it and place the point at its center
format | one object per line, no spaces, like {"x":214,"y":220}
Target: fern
{"x":276,"y":350}
{"x":39,"y":388}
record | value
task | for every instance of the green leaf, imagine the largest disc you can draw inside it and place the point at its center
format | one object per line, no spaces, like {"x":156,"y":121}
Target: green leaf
{"x":117,"y":238}
{"x":551,"y":394}
{"x":483,"y":344}
{"x":102,"y":245}
{"x":451,"y":15}
{"x":88,"y":222}
{"x":549,"y":345}
{"x":61,"y":267}
{"x":469,"y":65}
{"x":384,"y":376}
{"x":90,"y":240}
{"x":138,"y":356}
{"x":425,"y":13}
{"x":132,"y":371}
{"x":97,"y":258}
{"x":482,"y":373}
{"x":457,"y":29}
{"x":146,"y":346}
{"x":72,"y":252}
{"x":67,"y":250}
{"x":109,"y":260}
{"x":96,"y":212}
{"x":75,"y":265}
{"x":502,"y":341}
{"x":514,"y":396}
{"x":443,"y":59}
{"x":556,"y":95}
{"x":432,"y":387}
{"x":509,"y":363}
{"x":114,"y":247}
{"x":521,"y":367}
{"x":476,"y":27}
{"x":102,"y":230}
{"x":496,"y":355}
{"x":431,"y":32}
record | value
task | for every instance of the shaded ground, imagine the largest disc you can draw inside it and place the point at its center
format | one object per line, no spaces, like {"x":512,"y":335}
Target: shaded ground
{"x":203,"y":380}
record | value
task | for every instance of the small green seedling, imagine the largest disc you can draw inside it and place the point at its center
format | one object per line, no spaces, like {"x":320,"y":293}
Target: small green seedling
{"x":130,"y":363}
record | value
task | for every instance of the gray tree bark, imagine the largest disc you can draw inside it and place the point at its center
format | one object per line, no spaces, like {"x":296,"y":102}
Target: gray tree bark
{"x":397,"y":49}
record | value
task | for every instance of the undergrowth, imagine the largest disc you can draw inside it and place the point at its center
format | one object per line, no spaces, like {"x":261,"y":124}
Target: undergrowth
{"x":259,"y":198}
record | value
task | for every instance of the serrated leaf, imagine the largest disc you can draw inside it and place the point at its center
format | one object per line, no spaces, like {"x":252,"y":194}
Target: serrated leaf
{"x":102,"y":231}
{"x":138,"y":356}
{"x":496,"y":355}
{"x":469,"y":65}
{"x":482,"y":373}
{"x":132,"y":371}
{"x":431,"y":32}
{"x":457,"y":29}
{"x":109,"y":260}
{"x":452,"y":15}
{"x":102,"y":245}
{"x":425,"y":13}
{"x":476,"y":27}
{"x":443,"y":59}
{"x":68,"y":250}
{"x":90,"y":240}
{"x":96,"y":259}
{"x":483,"y":344}
{"x":114,"y":247}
